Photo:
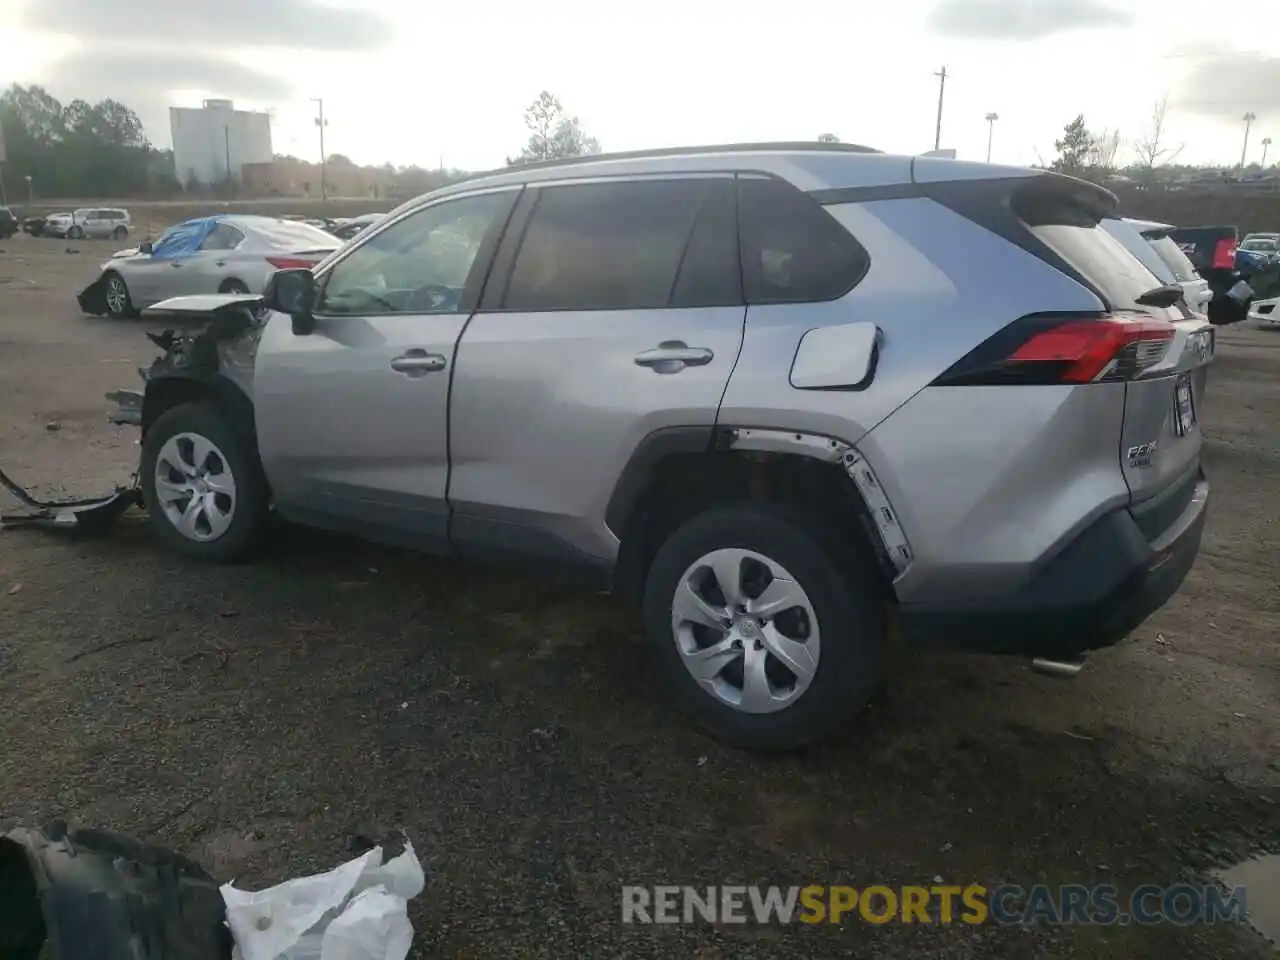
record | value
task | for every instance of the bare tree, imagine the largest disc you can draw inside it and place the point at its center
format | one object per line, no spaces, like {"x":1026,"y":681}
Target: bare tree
{"x":1103,"y":149}
{"x":1152,"y":149}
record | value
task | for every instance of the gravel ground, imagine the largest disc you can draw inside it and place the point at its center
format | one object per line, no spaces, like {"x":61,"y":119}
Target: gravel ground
{"x":266,"y":718}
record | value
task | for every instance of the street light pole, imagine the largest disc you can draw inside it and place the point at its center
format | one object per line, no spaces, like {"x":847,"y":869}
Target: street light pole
{"x":31,"y":190}
{"x":226,"y":135}
{"x":991,"y":131}
{"x":1248,"y":122}
{"x":1266,"y":142}
{"x":321,"y":122}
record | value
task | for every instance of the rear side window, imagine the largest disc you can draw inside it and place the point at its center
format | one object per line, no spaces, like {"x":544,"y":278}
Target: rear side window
{"x":793,"y":251}
{"x":1168,"y":251}
{"x":631,"y":245}
{"x":1140,"y":247}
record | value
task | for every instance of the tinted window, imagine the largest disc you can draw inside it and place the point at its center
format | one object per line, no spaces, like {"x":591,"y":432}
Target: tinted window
{"x":419,"y":264}
{"x":1140,"y":247}
{"x":1101,"y":259}
{"x":792,"y":250}
{"x":1176,"y":260}
{"x":616,"y":246}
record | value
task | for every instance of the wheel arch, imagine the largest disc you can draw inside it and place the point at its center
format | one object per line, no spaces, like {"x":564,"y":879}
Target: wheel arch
{"x":164,"y":393}
{"x":676,"y":472}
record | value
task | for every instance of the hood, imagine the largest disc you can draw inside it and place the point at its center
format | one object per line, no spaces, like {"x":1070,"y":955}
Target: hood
{"x":131,"y":252}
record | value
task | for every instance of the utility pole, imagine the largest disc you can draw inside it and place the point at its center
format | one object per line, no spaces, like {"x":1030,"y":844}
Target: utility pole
{"x":942,"y":89}
{"x":1266,"y":144}
{"x":1248,"y":122}
{"x":991,"y":131}
{"x":321,"y":122}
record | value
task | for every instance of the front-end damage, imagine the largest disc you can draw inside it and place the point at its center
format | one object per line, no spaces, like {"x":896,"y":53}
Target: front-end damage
{"x":93,"y":298}
{"x":221,"y":354}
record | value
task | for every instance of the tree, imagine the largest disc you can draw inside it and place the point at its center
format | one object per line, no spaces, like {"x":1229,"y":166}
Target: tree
{"x":1152,"y":149}
{"x":1104,"y":147}
{"x":828,"y":138}
{"x":1073,"y":149}
{"x":553,"y":135}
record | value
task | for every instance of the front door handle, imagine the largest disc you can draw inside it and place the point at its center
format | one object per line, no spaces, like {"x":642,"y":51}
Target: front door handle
{"x":417,"y":363}
{"x":672,"y":356}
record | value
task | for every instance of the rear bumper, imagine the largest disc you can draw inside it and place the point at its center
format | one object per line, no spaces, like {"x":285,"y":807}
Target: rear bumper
{"x":1090,"y":595}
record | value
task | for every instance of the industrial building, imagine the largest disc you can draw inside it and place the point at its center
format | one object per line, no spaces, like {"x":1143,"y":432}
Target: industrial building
{"x":211,"y":144}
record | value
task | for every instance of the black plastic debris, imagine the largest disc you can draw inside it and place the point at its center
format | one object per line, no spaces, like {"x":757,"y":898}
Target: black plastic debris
{"x":94,"y":894}
{"x":86,"y":515}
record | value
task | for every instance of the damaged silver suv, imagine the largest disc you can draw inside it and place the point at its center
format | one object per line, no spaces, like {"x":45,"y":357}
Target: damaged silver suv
{"x":783,"y":396}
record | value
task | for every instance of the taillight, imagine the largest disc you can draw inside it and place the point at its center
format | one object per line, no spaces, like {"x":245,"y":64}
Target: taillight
{"x":1062,"y":349}
{"x":290,"y":263}
{"x":1224,"y":254}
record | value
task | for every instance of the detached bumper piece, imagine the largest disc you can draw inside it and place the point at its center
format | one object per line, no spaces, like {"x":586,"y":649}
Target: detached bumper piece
{"x":94,"y":895}
{"x":93,"y":298}
{"x":88,"y":515}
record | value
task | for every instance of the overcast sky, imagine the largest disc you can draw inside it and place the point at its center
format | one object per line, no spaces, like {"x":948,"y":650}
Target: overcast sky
{"x":426,"y":82}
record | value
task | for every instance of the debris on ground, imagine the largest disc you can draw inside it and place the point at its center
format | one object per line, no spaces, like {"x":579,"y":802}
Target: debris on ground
{"x":94,"y":513}
{"x":357,"y":911}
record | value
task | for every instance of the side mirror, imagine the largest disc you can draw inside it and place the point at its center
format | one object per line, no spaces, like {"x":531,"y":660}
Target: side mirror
{"x":146,"y":246}
{"x":293,"y":292}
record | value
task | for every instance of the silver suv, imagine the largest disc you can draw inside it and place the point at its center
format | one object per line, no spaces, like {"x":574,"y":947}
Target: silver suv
{"x":792,"y":399}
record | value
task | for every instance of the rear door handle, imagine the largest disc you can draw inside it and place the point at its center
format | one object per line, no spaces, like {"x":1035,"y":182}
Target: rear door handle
{"x":417,"y":363}
{"x":672,"y":356}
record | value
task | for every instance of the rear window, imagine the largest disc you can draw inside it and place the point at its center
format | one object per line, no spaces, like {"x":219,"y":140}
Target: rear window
{"x":1140,"y":247}
{"x":1168,"y":251}
{"x":298,"y":236}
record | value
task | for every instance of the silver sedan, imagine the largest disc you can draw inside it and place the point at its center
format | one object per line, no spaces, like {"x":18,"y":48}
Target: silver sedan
{"x":220,"y":254}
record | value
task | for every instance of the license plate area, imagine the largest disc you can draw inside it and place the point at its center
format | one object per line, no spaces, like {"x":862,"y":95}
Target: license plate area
{"x":1184,"y":405}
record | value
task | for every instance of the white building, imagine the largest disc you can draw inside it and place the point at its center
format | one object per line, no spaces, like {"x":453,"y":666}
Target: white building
{"x":212,"y":143}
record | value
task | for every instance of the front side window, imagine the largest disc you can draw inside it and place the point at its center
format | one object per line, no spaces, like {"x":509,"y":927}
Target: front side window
{"x":627,"y":245}
{"x":419,"y":264}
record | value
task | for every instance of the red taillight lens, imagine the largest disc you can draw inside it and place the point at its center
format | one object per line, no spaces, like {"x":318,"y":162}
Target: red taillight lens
{"x":1224,"y":254}
{"x":1064,"y":349}
{"x":290,"y":263}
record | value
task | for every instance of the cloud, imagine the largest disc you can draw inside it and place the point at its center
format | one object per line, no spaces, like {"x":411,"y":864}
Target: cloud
{"x":236,"y":23}
{"x":1021,"y":19}
{"x":1227,"y":85}
{"x":146,"y":81}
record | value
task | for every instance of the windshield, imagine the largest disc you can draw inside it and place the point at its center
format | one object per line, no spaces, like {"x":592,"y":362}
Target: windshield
{"x":293,"y":235}
{"x":1263,"y":246}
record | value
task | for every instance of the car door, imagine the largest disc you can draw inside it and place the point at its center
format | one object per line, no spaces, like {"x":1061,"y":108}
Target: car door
{"x":352,"y":419}
{"x":206,"y":269}
{"x":615,"y":310}
{"x":96,"y":225}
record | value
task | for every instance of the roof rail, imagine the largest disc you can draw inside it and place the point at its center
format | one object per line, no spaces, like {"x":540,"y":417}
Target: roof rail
{"x":807,"y":145}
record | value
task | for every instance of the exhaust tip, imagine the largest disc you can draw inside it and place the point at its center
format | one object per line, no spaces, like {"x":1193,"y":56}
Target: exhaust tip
{"x":1063,"y":669}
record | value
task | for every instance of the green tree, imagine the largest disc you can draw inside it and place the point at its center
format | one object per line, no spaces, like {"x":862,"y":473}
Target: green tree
{"x":1074,"y":148}
{"x":553,"y":134}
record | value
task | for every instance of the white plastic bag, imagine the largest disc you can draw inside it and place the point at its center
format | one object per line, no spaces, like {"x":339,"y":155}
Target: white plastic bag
{"x":357,"y":911}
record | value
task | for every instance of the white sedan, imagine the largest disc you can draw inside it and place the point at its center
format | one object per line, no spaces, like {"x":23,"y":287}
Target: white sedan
{"x":218,"y":254}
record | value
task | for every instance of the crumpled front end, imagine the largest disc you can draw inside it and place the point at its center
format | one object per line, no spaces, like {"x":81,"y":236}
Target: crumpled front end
{"x":93,"y":298}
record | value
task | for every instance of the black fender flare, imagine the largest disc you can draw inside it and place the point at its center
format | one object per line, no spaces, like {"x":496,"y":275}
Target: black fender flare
{"x":166,"y":390}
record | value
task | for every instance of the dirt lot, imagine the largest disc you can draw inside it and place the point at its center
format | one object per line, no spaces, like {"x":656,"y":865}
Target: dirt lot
{"x":267,"y":717}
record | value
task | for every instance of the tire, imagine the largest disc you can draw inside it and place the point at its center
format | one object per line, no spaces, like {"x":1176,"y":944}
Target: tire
{"x":119,"y":233}
{"x":233,"y":286}
{"x":233,"y":518}
{"x":116,"y":289}
{"x":841,"y":599}
{"x":75,"y":233}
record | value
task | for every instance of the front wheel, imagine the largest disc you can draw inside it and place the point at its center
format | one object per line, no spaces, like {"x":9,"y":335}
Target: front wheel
{"x":767,"y":626}
{"x":203,"y":486}
{"x":116,"y":295}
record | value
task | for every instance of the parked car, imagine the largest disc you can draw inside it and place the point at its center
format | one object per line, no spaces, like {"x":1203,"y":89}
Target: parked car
{"x":781,"y":396}
{"x":346,"y":229}
{"x":1151,"y":243}
{"x":95,"y":222}
{"x":1266,"y":311}
{"x":219,"y":254}
{"x":8,"y":223}
{"x":1256,"y":252}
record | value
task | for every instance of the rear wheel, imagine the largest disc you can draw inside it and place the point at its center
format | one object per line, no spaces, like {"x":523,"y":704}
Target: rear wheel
{"x":116,"y":294}
{"x":233,"y":286}
{"x":204,"y":489}
{"x":768,"y":627}
{"x":119,"y":233}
